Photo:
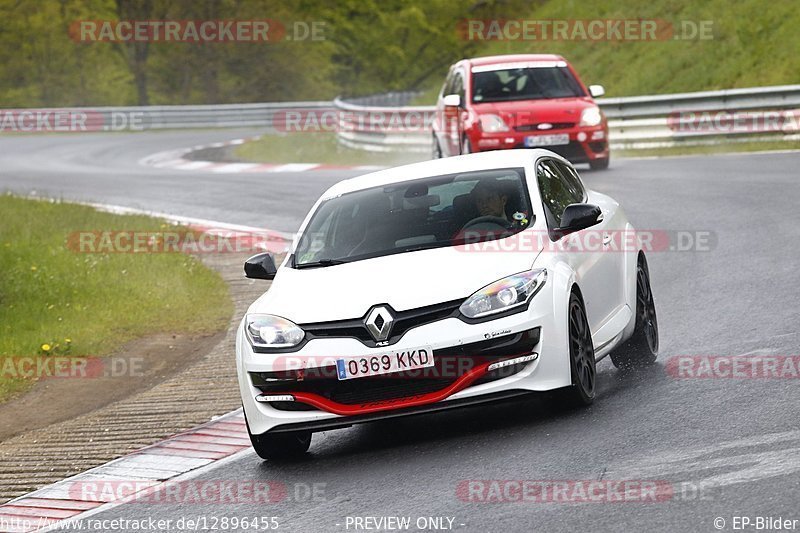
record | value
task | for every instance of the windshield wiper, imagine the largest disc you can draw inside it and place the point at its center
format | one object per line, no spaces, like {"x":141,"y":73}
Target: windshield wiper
{"x":321,"y":263}
{"x":418,"y":247}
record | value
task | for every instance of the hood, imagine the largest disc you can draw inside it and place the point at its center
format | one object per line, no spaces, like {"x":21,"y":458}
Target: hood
{"x":404,"y":281}
{"x":521,"y":112}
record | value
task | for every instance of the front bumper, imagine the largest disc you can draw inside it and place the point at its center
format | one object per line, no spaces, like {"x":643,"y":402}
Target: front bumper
{"x":462,"y":352}
{"x":585,"y":143}
{"x":455,"y":368}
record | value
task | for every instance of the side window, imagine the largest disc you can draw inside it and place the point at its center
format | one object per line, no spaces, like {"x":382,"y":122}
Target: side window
{"x":458,"y":85}
{"x":572,"y":181}
{"x":447,"y":88}
{"x":555,"y":192}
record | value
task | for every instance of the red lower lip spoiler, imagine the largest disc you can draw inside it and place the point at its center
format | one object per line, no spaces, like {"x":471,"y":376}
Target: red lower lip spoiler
{"x":325,"y":404}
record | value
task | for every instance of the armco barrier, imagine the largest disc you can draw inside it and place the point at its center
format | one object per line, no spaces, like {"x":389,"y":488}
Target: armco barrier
{"x":159,"y":117}
{"x":635,"y":122}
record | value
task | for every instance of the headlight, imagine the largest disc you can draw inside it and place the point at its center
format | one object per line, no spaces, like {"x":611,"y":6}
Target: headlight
{"x":268,"y":331}
{"x":591,"y":116}
{"x":492,"y":123}
{"x":502,"y":295}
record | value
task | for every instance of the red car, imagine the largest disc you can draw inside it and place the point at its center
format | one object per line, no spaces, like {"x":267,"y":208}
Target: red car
{"x":520,"y":101}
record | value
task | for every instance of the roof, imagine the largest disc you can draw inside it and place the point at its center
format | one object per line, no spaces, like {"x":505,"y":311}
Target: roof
{"x":510,"y":58}
{"x":437,"y":167}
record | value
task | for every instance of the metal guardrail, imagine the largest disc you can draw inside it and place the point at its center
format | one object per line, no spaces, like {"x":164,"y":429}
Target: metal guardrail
{"x":269,"y":115}
{"x":226,"y":116}
{"x":635,"y":122}
{"x":382,"y":128}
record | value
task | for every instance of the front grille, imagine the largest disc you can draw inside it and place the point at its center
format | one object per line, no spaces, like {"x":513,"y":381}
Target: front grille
{"x":381,"y":388}
{"x":403,"y":321}
{"x":360,"y":390}
{"x":449,"y":364}
{"x":572,"y":152}
{"x":535,"y":127}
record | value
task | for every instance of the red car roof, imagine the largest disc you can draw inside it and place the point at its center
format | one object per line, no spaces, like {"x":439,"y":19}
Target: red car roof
{"x":493,"y":60}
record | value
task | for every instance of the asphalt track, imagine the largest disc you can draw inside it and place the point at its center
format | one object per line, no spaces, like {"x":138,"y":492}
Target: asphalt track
{"x":726,"y":447}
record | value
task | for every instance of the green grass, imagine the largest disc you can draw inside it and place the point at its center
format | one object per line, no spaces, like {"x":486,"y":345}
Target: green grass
{"x":753,"y":45}
{"x":322,"y":148}
{"x":316,"y":147}
{"x":50,"y":293}
{"x":735,"y":147}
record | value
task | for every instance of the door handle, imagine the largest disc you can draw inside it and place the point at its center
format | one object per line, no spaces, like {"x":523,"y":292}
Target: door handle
{"x":606,"y":239}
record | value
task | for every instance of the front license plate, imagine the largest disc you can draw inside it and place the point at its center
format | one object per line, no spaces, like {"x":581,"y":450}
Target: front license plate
{"x":547,"y":140}
{"x":385,"y":363}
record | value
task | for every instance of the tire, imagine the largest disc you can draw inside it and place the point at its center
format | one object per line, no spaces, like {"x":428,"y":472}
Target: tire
{"x":581,"y":355}
{"x":436,"y":152}
{"x":280,"y":446}
{"x":642,"y":347}
{"x":599,"y":164}
{"x":466,"y":147}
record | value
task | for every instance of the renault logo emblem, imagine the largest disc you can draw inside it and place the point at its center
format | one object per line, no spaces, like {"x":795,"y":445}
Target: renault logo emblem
{"x":379,"y":323}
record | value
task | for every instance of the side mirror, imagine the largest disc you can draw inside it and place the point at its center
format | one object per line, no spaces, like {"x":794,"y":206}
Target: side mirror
{"x":452,"y":100}
{"x":596,"y":91}
{"x":577,"y":217}
{"x":260,"y":266}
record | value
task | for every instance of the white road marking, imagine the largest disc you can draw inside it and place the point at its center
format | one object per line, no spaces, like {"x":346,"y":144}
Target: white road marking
{"x":177,"y":159}
{"x":193,"y":165}
{"x":234,"y":167}
{"x":295,"y":167}
{"x":177,"y":219}
{"x":749,"y":466}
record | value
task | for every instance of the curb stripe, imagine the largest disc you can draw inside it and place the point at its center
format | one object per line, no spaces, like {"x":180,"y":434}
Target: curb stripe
{"x":143,"y":470}
{"x":267,"y":240}
{"x":295,"y":167}
{"x":177,"y":160}
{"x":67,"y":505}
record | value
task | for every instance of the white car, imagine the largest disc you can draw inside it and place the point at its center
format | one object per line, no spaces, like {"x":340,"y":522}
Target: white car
{"x":437,"y":285}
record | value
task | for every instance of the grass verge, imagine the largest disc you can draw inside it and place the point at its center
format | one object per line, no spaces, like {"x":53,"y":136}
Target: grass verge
{"x":316,"y":147}
{"x":322,"y":148}
{"x":727,"y":148}
{"x":56,"y":301}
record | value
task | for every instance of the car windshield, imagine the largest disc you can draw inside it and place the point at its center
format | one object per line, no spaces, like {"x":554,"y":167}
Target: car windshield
{"x":420,"y":214}
{"x":525,"y":83}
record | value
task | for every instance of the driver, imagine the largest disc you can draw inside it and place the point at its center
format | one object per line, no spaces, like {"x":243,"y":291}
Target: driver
{"x":490,"y":198}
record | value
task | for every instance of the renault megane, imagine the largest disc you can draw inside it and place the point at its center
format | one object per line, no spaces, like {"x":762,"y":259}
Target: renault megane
{"x":438,"y":285}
